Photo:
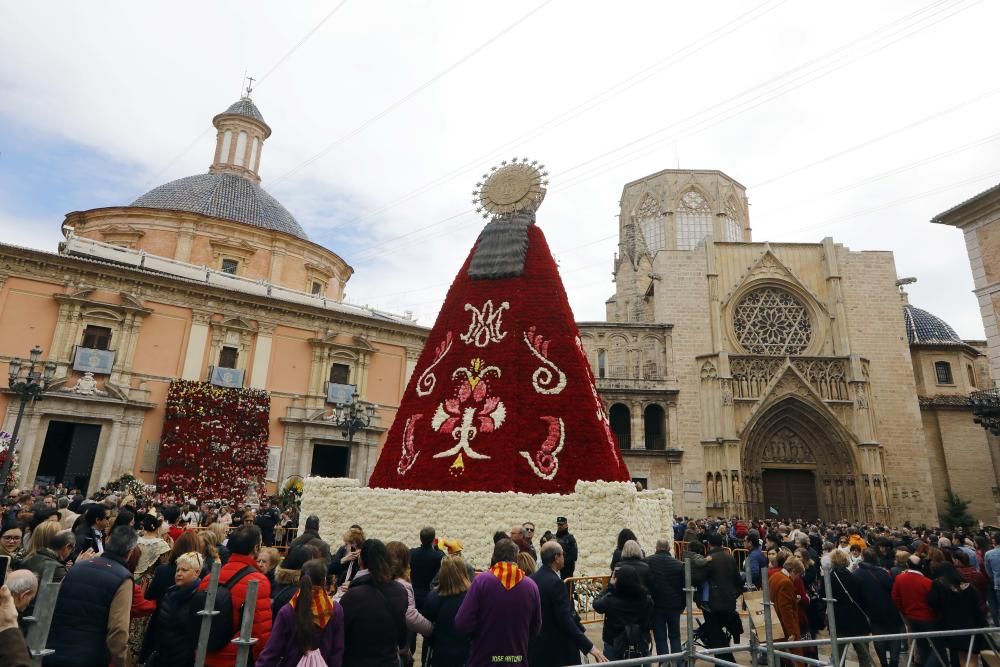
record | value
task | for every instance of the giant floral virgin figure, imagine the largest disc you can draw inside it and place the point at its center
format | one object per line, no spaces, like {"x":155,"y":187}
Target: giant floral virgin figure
{"x":502,"y":398}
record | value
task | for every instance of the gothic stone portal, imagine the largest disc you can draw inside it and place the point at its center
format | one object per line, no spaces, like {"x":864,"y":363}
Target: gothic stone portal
{"x":799,"y":460}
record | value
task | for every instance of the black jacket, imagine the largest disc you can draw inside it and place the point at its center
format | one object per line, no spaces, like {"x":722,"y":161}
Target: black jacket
{"x":286,"y":583}
{"x":875,"y":585}
{"x":82,"y":610}
{"x":424,"y":565}
{"x":449,"y":647}
{"x":641,"y":568}
{"x":621,"y":611}
{"x":724,"y":582}
{"x":560,"y":641}
{"x":85,"y":539}
{"x":668,"y":581}
{"x":852,"y":620}
{"x":173,"y":629}
{"x":304,"y":537}
{"x":163,"y":578}
{"x":570,"y":552}
{"x":374,"y":622}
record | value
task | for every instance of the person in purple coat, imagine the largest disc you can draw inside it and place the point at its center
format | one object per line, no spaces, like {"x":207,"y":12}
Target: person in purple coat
{"x":501,"y":612}
{"x":310,"y":625}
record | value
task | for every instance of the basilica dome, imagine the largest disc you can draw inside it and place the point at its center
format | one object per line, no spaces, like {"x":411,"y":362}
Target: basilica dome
{"x":922,"y":328}
{"x":223,"y":195}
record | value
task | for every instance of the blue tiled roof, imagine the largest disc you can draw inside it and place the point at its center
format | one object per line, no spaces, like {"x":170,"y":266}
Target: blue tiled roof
{"x":922,"y":328}
{"x":245,"y":107}
{"x":226,"y":196}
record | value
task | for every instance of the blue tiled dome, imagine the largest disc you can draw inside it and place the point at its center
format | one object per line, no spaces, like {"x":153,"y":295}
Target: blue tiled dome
{"x":922,"y":328}
{"x":226,"y":196}
{"x":245,"y":107}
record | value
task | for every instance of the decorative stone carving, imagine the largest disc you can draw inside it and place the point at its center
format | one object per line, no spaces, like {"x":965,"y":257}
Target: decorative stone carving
{"x":773,"y":322}
{"x":726,"y":387}
{"x":708,"y":371}
{"x":86,"y":385}
{"x":827,"y":376}
{"x":648,"y":208}
{"x":786,"y":447}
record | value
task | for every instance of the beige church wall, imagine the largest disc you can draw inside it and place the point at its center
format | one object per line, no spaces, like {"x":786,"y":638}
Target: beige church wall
{"x":681,"y":299}
{"x":969,"y":463}
{"x":959,"y":374}
{"x":28,"y":316}
{"x":162,"y":339}
{"x":988,"y":236}
{"x":291,"y":360}
{"x":936,"y":459}
{"x":384,"y":372}
{"x":877,"y":332}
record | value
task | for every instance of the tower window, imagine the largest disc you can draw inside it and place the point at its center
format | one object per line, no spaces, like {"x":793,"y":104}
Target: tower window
{"x":942,"y":369}
{"x":227,"y":357}
{"x":229,"y":266}
{"x":340,"y":374}
{"x":96,"y":338}
{"x":972,"y":376}
{"x":241,"y":149}
{"x":694,"y":220}
{"x":317,"y":288}
{"x":602,"y":364}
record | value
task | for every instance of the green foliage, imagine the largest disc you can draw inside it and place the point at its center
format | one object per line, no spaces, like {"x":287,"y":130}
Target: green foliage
{"x":956,"y":513}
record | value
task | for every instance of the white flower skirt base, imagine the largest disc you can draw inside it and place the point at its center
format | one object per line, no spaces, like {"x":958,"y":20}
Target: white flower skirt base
{"x":596,"y":512}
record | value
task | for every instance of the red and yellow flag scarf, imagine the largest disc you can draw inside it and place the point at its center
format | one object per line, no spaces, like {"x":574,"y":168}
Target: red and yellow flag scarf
{"x":322,"y":606}
{"x":509,"y":574}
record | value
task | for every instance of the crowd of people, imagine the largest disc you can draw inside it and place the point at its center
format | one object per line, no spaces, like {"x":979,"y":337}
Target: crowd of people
{"x":133,"y":575}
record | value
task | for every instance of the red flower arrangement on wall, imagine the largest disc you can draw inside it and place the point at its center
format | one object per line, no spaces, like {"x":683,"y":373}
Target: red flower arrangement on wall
{"x":214,"y":443}
{"x":502,"y":397}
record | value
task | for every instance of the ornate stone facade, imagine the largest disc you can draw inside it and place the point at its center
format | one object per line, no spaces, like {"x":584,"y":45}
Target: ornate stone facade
{"x":790,"y":382}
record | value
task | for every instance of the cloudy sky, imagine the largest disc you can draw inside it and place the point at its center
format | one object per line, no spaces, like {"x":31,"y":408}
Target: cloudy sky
{"x":860,"y":124}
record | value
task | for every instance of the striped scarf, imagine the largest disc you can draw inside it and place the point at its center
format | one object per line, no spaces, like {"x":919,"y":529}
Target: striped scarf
{"x":509,"y":574}
{"x":322,"y":606}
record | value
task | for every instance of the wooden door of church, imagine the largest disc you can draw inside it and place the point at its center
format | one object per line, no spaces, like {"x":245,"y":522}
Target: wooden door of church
{"x":791,"y":492}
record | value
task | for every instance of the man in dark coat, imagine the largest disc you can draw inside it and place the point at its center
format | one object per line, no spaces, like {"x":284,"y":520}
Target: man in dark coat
{"x":724,"y":587}
{"x":374,"y":611}
{"x":560,"y":640}
{"x":267,"y":518}
{"x":93,"y":607}
{"x":425,"y":561}
{"x":876,"y":599}
{"x":568,"y":544}
{"x":311,"y":532}
{"x":668,"y":598}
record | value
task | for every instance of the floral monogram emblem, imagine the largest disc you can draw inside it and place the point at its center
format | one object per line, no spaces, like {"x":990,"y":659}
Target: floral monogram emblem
{"x":471,"y":411}
{"x":425,"y":385}
{"x":485,"y":325}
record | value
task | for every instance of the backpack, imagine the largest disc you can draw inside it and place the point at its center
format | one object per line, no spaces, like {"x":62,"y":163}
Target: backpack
{"x":221,"y":631}
{"x":741,"y":529}
{"x":632,"y":642}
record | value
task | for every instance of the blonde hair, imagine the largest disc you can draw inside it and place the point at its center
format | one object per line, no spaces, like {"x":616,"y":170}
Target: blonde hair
{"x":454,"y":577}
{"x":192,"y":558}
{"x":272,"y":556}
{"x":219,"y":530}
{"x":42,"y":535}
{"x":210,"y":542}
{"x":526,"y":562}
{"x":902,"y":558}
{"x":838,"y":558}
{"x":354,"y":536}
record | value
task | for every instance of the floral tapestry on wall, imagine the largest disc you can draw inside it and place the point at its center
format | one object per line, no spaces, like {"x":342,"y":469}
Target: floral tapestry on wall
{"x":214,"y":443}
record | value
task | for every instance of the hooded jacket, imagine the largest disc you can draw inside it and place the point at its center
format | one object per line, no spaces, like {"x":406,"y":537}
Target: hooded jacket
{"x":261,"y":628}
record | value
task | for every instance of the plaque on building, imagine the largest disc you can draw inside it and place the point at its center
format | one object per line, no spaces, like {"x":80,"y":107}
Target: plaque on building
{"x":339,"y":393}
{"x":273,"y":464}
{"x":87,"y":360}
{"x":227,"y":377}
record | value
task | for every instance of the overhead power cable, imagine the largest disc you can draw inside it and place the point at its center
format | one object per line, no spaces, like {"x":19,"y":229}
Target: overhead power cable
{"x":410,"y":95}
{"x":156,"y":177}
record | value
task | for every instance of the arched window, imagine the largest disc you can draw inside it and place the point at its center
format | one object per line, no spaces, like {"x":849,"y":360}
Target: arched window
{"x":227,"y":142}
{"x":602,"y":363}
{"x":772,"y":321}
{"x":694,"y":220}
{"x":253,"y":153}
{"x":655,"y":426}
{"x":241,"y":149}
{"x":732,"y":227}
{"x":942,"y":370}
{"x":650,"y":220}
{"x":621,"y":425}
{"x":972,"y":376}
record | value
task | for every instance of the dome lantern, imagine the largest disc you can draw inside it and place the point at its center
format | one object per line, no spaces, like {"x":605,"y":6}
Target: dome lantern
{"x":240,"y":139}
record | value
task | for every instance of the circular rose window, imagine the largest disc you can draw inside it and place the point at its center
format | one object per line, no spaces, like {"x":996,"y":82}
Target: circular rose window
{"x":772,"y":321}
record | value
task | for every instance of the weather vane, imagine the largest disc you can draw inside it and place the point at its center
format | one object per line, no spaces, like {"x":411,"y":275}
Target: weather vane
{"x":250,"y":81}
{"x":517,"y":185}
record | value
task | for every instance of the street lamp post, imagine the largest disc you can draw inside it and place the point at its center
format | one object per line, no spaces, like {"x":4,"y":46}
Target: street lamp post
{"x":352,"y":417}
{"x":29,"y":383}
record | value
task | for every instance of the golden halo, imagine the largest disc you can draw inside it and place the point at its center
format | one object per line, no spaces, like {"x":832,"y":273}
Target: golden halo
{"x":517,"y":185}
